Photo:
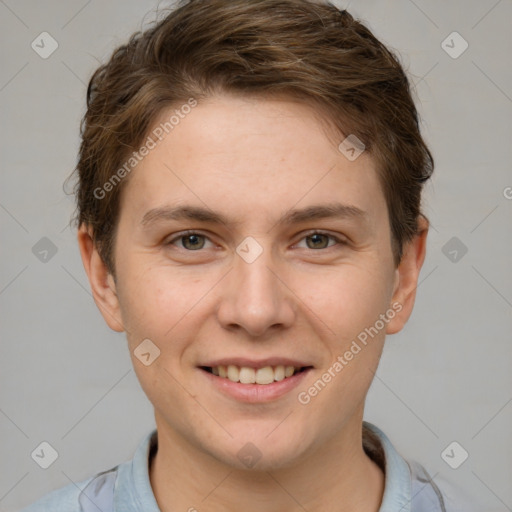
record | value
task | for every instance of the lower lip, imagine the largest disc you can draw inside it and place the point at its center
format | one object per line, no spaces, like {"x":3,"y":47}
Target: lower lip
{"x":256,"y":393}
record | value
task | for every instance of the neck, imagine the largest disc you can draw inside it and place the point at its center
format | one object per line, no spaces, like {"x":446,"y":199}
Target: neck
{"x":338,"y":476}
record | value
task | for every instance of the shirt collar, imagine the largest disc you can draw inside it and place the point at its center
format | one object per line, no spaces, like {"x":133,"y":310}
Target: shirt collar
{"x":133,"y":490}
{"x":397,"y":487}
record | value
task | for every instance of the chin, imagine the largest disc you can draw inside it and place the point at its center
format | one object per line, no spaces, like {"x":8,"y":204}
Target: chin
{"x":267,"y":449}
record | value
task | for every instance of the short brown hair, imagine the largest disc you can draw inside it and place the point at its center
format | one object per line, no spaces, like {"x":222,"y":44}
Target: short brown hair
{"x":305,"y":49}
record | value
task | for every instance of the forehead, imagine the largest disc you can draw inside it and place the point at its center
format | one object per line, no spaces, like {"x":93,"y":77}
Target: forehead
{"x":250,"y":155}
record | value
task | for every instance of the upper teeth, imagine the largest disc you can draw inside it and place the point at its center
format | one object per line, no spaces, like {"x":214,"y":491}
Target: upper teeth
{"x":246,"y":375}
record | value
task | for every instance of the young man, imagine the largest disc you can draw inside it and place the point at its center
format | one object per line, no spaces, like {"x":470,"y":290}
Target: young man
{"x":249,"y":192}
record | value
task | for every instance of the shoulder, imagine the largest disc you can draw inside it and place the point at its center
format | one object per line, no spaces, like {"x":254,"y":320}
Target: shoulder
{"x":446,"y":495}
{"x":94,"y":493}
{"x":114,"y":488}
{"x":64,"y":499}
{"x":408,"y":485}
{"x":456,"y":499}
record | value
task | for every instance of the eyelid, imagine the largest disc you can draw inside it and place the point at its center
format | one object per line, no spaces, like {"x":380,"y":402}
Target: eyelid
{"x":187,"y":232}
{"x":339,"y":240}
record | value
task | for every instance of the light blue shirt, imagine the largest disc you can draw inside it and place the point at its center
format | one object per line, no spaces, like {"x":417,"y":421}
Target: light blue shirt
{"x":127,"y":488}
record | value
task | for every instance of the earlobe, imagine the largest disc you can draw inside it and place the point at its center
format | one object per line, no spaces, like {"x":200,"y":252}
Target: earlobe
{"x":407,"y":274}
{"x":102,"y":283}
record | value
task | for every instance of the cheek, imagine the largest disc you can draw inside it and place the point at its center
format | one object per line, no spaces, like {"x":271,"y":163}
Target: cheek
{"x":148,"y":306}
{"x":348,"y":298}
{"x":363,"y":296}
{"x":161,"y":303}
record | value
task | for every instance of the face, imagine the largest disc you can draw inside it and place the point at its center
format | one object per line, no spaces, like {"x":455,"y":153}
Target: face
{"x":247,"y":239}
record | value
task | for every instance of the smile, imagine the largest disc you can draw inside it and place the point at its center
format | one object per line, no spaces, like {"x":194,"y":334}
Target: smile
{"x":248,"y":375}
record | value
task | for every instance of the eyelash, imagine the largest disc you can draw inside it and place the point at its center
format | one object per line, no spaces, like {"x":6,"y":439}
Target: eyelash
{"x":306,"y":235}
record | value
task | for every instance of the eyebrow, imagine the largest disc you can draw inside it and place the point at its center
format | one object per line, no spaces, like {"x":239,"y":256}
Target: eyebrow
{"x":295,"y":216}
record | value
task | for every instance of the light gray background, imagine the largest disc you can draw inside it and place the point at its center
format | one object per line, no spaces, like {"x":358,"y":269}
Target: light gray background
{"x":68,"y":380}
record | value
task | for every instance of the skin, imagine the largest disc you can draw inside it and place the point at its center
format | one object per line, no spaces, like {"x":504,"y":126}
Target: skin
{"x":304,"y":297}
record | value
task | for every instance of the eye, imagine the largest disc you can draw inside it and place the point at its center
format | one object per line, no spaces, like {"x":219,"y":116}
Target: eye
{"x":318,"y":240}
{"x":194,"y":241}
{"x":191,"y":241}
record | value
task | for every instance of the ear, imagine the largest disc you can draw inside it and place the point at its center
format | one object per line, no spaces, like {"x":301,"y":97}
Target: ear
{"x":102,"y":282}
{"x":407,"y":274}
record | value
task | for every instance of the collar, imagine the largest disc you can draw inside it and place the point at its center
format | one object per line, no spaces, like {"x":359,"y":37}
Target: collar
{"x":397,"y":485}
{"x":133,"y":490}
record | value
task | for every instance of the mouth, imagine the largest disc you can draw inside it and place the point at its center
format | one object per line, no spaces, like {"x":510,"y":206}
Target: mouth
{"x":264,"y":376}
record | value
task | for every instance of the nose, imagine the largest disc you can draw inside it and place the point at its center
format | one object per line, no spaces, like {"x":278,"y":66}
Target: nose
{"x":255,"y":297}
